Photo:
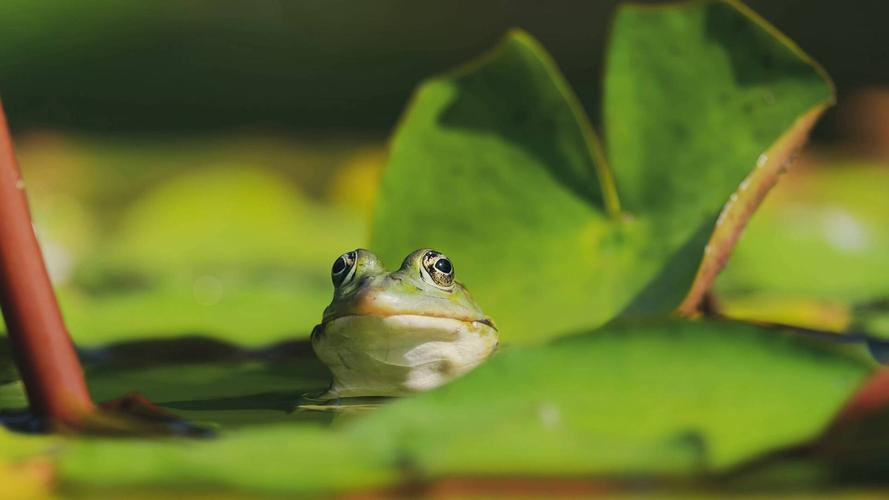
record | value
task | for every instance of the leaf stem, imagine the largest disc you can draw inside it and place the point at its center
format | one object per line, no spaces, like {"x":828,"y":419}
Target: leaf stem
{"x":43,"y":348}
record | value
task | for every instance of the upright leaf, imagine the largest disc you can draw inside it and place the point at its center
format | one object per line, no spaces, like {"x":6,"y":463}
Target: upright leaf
{"x":696,"y":95}
{"x":495,"y":165}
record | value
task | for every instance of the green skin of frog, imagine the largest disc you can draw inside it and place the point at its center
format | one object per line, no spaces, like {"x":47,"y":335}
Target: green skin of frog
{"x":395,"y":333}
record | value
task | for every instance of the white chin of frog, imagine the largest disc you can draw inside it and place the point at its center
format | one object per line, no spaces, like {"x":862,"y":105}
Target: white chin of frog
{"x":402,"y":354}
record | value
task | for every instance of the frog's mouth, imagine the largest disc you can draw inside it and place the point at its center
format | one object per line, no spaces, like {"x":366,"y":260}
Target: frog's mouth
{"x":487,"y":321}
{"x":381,"y":305}
{"x":471,"y":321}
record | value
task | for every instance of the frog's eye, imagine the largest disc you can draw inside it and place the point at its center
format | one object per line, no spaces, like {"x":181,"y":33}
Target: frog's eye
{"x":438,"y":270}
{"x":343,"y":268}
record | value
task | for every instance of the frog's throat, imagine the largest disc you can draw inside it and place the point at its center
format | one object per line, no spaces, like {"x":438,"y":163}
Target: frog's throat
{"x":371,"y":355}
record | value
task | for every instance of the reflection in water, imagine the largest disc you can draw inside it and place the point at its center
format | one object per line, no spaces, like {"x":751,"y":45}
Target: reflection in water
{"x":342,"y":405}
{"x":205,"y":381}
{"x":342,"y":410}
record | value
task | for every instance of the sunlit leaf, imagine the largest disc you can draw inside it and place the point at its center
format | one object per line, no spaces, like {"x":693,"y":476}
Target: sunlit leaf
{"x":496,"y":165}
{"x":676,"y":398}
{"x":821,"y":236}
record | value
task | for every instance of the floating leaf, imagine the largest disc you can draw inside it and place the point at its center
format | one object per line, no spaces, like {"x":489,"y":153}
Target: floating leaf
{"x":218,"y":251}
{"x":662,"y":398}
{"x":821,"y":239}
{"x":677,"y":398}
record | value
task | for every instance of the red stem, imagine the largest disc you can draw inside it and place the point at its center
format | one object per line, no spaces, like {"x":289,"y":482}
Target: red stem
{"x":869,"y":399}
{"x":43,"y":349}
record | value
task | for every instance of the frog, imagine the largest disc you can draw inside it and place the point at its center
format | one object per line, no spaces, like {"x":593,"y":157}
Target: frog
{"x":391,"y":334}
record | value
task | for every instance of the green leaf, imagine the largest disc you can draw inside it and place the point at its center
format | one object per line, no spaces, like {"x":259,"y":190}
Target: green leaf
{"x":220,"y":251}
{"x":496,"y":165}
{"x":211,"y":382}
{"x":814,"y":255}
{"x":823,"y":234}
{"x":283,"y":459}
{"x":677,"y":398}
{"x":492,"y":167}
{"x":223,"y":235}
{"x":696,"y":95}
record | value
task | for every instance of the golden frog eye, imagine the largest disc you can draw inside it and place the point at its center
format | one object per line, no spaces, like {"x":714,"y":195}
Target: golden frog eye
{"x":343,"y":268}
{"x":438,"y":269}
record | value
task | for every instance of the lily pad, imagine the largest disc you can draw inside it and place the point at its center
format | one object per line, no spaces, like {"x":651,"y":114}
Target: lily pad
{"x":679,"y":399}
{"x":820,"y":240}
{"x":234,"y":253}
{"x":661,"y":398}
{"x":210,"y":382}
{"x":496,"y":165}
{"x":226,"y":235}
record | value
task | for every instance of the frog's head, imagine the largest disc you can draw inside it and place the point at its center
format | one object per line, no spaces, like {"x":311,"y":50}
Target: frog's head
{"x":424,"y":285}
{"x":391,"y":333}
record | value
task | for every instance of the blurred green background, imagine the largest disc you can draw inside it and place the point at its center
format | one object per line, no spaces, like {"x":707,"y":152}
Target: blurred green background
{"x":194,"y":167}
{"x":315,"y":65}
